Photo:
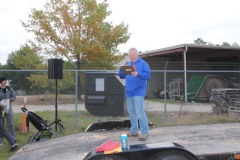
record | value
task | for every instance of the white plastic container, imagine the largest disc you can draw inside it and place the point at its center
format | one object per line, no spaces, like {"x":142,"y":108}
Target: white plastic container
{"x":6,"y":104}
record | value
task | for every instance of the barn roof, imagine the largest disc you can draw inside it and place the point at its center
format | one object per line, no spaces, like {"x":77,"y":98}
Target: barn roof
{"x":190,"y":48}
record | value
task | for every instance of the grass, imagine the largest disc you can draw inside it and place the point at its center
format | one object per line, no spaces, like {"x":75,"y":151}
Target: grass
{"x":194,"y":118}
{"x":84,"y":119}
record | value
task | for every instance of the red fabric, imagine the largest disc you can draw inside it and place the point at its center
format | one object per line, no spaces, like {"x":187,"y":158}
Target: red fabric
{"x":107,"y":146}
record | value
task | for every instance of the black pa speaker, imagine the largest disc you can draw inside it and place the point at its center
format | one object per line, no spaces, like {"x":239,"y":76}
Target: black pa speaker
{"x":55,"y":69}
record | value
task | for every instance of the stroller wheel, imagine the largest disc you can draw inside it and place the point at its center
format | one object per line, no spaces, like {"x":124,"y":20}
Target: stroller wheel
{"x":40,"y":136}
{"x":30,"y":139}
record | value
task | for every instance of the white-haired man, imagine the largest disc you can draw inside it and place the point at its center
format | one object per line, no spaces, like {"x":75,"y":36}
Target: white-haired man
{"x":136,"y":86}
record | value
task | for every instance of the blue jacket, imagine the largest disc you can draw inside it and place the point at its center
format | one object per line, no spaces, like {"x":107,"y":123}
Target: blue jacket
{"x":136,"y":86}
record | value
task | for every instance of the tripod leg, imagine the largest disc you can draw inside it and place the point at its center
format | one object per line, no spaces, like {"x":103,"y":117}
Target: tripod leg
{"x":57,"y":123}
{"x":52,"y":123}
{"x":53,"y":132}
{"x":57,"y":120}
{"x":60,"y":126}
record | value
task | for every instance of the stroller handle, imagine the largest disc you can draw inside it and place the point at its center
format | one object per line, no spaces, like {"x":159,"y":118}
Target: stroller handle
{"x":24,"y":109}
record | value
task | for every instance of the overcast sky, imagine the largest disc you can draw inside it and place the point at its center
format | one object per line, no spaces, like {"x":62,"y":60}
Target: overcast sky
{"x":153,"y":24}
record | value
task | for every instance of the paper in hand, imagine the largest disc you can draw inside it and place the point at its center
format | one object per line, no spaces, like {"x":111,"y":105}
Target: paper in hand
{"x":128,"y":69}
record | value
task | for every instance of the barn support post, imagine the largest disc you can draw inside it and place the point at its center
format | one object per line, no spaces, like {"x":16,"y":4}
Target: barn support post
{"x":185,"y":72}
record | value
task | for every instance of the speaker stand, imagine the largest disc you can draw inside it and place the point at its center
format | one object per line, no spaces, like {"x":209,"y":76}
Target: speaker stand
{"x":57,"y":120}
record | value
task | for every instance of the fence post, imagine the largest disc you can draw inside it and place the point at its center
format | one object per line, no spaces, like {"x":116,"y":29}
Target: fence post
{"x":76,"y":98}
{"x":165,"y":97}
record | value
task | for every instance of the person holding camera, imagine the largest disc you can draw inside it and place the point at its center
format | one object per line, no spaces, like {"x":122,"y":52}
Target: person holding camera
{"x":7,"y":93}
{"x":4,"y":133}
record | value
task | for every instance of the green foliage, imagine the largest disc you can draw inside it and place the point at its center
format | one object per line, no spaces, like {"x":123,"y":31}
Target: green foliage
{"x":226,"y":44}
{"x":235,"y":44}
{"x":78,"y":31}
{"x":200,"y":41}
{"x":27,"y":58}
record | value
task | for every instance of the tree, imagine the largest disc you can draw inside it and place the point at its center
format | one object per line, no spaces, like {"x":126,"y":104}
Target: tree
{"x":211,"y":44}
{"x":200,"y":41}
{"x":235,"y":44}
{"x":78,"y":31}
{"x":24,"y":59}
{"x":226,"y":44}
{"x":27,"y":58}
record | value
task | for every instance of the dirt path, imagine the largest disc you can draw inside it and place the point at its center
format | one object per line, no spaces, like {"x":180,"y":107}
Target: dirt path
{"x":149,"y":106}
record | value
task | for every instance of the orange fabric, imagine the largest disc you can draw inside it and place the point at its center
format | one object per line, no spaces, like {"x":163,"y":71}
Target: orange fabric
{"x":115,"y":150}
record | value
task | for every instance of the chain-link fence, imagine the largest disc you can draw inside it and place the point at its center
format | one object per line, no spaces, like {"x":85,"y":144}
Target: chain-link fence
{"x":171,"y":94}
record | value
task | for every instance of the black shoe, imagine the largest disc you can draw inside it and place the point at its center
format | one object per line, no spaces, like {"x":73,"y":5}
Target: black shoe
{"x":14,"y":147}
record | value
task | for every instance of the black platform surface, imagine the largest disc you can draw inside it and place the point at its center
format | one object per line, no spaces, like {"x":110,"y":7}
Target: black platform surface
{"x":200,"y":139}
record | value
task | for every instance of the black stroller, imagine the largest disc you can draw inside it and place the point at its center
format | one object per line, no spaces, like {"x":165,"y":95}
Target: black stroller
{"x":44,"y":130}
